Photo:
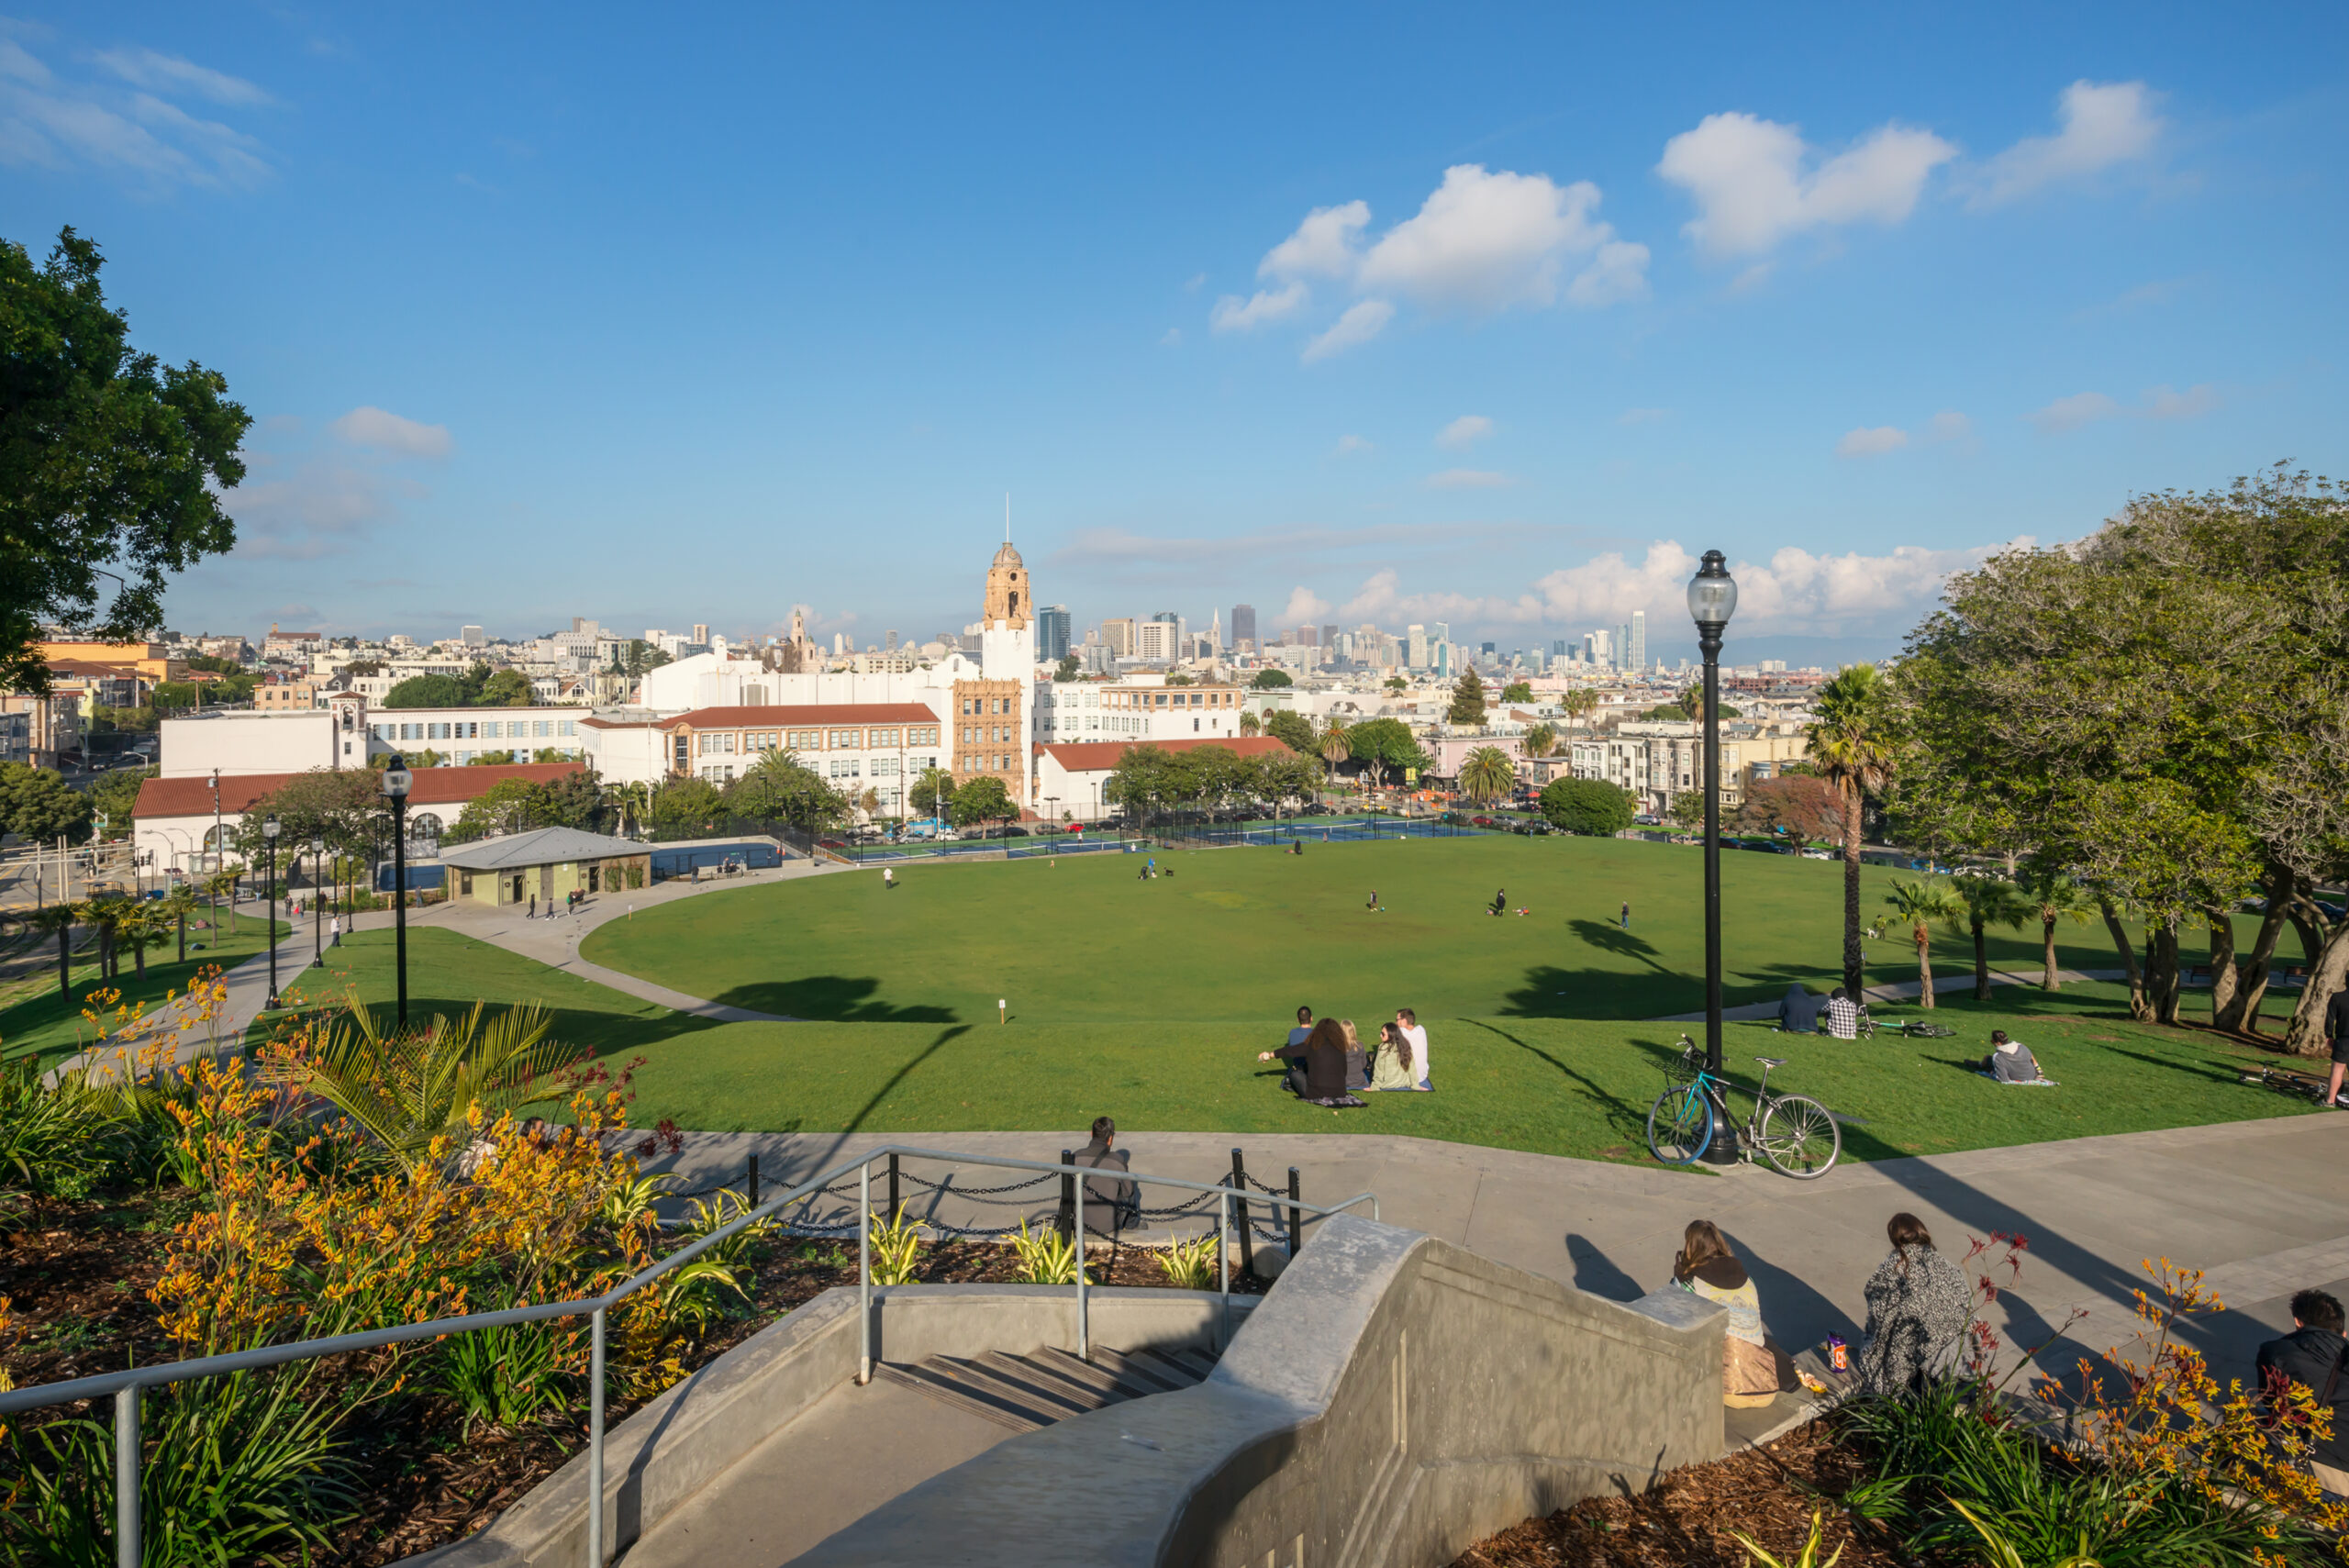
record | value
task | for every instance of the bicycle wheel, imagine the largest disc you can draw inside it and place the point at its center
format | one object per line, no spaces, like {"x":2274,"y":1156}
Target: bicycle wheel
{"x":1800,"y":1137}
{"x":1680,"y":1125}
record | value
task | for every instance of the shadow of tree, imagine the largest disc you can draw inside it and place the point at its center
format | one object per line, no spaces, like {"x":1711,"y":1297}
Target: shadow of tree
{"x":1627,"y":1120}
{"x":831,"y":998}
{"x":901,"y":1074}
{"x":1615,"y":940}
{"x":1549,"y":992}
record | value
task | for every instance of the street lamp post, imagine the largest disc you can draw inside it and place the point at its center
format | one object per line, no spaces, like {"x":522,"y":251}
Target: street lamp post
{"x":318,"y":915}
{"x":269,"y":901}
{"x":1713,"y":597}
{"x":396,"y":782}
{"x":1053,"y":816}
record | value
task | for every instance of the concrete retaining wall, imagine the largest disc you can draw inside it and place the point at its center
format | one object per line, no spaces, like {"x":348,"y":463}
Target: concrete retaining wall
{"x":663,"y":1455}
{"x":1395,"y":1399}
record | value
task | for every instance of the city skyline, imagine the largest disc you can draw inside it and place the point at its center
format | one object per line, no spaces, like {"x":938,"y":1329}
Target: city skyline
{"x":1434,"y":334}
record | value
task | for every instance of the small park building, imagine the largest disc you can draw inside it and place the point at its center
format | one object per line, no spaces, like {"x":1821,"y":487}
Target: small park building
{"x":547,"y":865}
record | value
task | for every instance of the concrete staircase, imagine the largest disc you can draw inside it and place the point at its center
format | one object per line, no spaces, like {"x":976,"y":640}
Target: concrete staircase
{"x":1027,"y":1393}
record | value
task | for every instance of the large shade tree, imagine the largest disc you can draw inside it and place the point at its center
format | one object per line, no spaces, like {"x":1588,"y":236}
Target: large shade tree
{"x":113,"y":465}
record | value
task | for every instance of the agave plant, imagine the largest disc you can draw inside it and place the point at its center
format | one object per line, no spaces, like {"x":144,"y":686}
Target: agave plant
{"x":1188,"y":1265}
{"x":1045,"y":1258}
{"x":896,"y":1249}
{"x":408,"y":1088}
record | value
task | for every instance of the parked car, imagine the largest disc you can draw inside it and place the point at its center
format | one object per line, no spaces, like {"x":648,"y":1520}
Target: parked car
{"x":1481,"y":822}
{"x":1816,"y":855}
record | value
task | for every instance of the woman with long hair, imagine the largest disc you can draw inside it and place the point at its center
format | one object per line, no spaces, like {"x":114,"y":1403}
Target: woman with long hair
{"x":1918,"y":1306}
{"x":1753,"y":1368}
{"x":1391,"y":1066}
{"x":1319,"y":1062}
{"x":1357,"y":1060}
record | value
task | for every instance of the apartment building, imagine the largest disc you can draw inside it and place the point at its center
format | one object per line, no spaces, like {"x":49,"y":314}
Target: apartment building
{"x":883,"y":747}
{"x":1135,"y":710}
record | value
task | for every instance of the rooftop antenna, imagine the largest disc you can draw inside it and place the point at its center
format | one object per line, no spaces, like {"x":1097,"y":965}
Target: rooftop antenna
{"x":1007,"y":516}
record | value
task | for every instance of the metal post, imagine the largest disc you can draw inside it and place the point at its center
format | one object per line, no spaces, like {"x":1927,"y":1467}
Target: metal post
{"x":1247,"y":1243}
{"x":865,"y":1274}
{"x":1296,"y":1216}
{"x":892,"y":1190}
{"x":127,"y":1544}
{"x":269,"y":906}
{"x":1084,"y":1322}
{"x":399,"y":901}
{"x":317,"y":921}
{"x":754,"y":1180}
{"x":1066,"y":1220}
{"x":1223,"y":1259}
{"x":596,"y":1445}
{"x":1722,"y":1150}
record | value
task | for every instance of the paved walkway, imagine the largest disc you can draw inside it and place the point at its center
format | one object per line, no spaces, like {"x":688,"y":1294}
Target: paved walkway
{"x":1910,"y":990}
{"x":2249,"y":1201}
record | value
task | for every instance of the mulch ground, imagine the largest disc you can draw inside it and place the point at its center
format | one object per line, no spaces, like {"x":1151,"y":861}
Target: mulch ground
{"x":1769,"y":1493}
{"x":77,"y":1274}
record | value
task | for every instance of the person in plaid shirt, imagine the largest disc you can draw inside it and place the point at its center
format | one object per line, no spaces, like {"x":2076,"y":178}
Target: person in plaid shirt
{"x":1843,"y":1015}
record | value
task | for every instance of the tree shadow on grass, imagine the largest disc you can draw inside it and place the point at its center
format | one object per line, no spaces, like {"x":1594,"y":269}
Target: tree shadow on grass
{"x":1549,"y":992}
{"x":597,"y":1033}
{"x":1625,"y":1120}
{"x":1615,"y":939}
{"x":830,"y":998}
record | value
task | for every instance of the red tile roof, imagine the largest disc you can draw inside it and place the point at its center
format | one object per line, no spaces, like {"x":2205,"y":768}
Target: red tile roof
{"x":433,"y":786}
{"x":1087,"y":756}
{"x":810,"y":715}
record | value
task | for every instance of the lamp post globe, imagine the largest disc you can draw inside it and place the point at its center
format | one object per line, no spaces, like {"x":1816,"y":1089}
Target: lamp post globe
{"x":269,"y":900}
{"x":1713,"y":599}
{"x":397,"y":782}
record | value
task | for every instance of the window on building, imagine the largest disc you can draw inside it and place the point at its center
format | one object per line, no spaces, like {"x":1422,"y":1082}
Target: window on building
{"x":567,"y":726}
{"x":844,"y":740}
{"x":541,"y":728}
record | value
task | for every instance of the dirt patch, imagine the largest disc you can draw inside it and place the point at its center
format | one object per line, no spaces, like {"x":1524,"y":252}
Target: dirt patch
{"x":1769,"y":1493}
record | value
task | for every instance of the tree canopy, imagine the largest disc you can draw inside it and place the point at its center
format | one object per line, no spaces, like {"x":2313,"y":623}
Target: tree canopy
{"x":982,"y":800}
{"x":1385,"y":747}
{"x":1518,"y":690}
{"x":507,"y":688}
{"x":1271,"y":680}
{"x":427,"y":691}
{"x":1293,"y":730}
{"x":1590,"y":806}
{"x":779,"y":789}
{"x":112,"y":463}
{"x":37,"y":804}
{"x":1467,"y":700}
{"x":1066,"y":670}
{"x":687,"y":808}
{"x":1149,"y":779}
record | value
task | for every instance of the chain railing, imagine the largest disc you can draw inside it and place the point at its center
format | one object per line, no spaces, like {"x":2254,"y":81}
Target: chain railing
{"x":125,"y":1387}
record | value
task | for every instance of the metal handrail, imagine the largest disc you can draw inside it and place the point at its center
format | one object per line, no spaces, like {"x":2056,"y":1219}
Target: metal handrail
{"x":125,"y":1386}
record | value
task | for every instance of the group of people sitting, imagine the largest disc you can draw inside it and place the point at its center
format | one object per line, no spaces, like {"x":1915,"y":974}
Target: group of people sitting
{"x":1836,"y":1014}
{"x":1919,"y":1306}
{"x":1329,"y":1066}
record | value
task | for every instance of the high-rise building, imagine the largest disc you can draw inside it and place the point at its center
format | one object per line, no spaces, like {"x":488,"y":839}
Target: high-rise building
{"x":1598,"y":647}
{"x":1415,"y":647}
{"x":889,"y":641}
{"x":1623,"y":646}
{"x":1309,"y":636}
{"x":1118,"y":635}
{"x":1243,"y":626}
{"x":1051,"y":633}
{"x":1490,"y":649}
{"x":1558,"y":649}
{"x":1639,"y":640}
{"x":1329,"y":636}
{"x":472,"y":636}
{"x":701,"y":632}
{"x":1160,"y":639}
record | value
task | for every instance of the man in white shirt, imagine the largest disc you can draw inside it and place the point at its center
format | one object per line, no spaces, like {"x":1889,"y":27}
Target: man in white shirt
{"x":1407,"y":1022}
{"x":1304,"y":1027}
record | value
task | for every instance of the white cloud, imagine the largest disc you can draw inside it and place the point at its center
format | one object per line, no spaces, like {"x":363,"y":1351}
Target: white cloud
{"x":1464,"y":432}
{"x":1467,"y":479}
{"x":1949,"y":425}
{"x":1755,"y":181}
{"x":369,"y":426}
{"x":1867,"y":442}
{"x":1195,"y":282}
{"x":300,"y":510}
{"x":2103,"y":124}
{"x":49,"y":123}
{"x":169,"y":74}
{"x":1303,"y":605}
{"x":1485,"y":240}
{"x":1361,"y":323}
{"x":1232,"y":314}
{"x":1348,"y":445}
{"x":2161,"y":403}
{"x":1171,"y":339}
{"x":2071,"y":413}
{"x":1324,"y":245}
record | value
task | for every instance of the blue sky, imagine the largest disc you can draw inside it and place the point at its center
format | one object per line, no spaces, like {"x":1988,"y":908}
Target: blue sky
{"x":670,"y":315}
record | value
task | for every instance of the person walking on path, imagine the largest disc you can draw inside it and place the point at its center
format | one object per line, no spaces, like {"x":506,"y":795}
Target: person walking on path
{"x":2311,"y":1355}
{"x":2336,"y":1029}
{"x":334,"y":932}
{"x":1918,"y":1306}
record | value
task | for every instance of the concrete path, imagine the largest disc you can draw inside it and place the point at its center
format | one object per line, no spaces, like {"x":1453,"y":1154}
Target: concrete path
{"x":1910,"y":990}
{"x":2252,"y":1202}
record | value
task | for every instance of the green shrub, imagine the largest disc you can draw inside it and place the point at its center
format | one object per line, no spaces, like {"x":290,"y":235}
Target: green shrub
{"x":56,"y":1139}
{"x":1590,"y":806}
{"x":504,"y":1377}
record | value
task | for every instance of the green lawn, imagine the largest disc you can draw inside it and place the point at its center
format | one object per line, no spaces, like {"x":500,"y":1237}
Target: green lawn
{"x":52,"y":1026}
{"x":1247,"y":935}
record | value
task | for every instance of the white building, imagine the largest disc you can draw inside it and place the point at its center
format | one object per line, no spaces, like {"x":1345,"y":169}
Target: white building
{"x":460,"y":735}
{"x":855,"y":747}
{"x":1070,"y":778}
{"x":1141,"y":708}
{"x":241,"y":741}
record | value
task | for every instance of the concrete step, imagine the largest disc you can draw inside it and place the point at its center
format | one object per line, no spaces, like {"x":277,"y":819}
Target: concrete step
{"x":1026,"y":1393}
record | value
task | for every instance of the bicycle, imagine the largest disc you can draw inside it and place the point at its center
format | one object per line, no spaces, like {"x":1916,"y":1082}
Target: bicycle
{"x":1798,"y":1135}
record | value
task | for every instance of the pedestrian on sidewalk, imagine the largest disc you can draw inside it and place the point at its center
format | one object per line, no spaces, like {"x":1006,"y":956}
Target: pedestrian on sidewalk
{"x":1918,"y":1306}
{"x":334,"y":932}
{"x":533,"y":912}
{"x":2312,"y":1356}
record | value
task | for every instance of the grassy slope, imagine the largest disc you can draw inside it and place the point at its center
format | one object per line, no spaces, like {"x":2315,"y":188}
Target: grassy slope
{"x":52,"y":1025}
{"x":1248,"y":934}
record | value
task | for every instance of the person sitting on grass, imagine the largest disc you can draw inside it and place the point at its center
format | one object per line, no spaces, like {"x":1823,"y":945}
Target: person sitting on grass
{"x":1798,"y":1011}
{"x":1304,"y":1026}
{"x":1357,"y":1060}
{"x":1318,"y":1070}
{"x":1500,"y":902}
{"x":1390,"y":1064}
{"x":2009,"y":1061}
{"x":1842,"y":1014}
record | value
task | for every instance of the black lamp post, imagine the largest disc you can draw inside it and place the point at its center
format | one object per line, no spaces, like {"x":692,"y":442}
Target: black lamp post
{"x":1713,"y":597}
{"x":318,"y":915}
{"x":396,"y":782}
{"x":269,"y":901}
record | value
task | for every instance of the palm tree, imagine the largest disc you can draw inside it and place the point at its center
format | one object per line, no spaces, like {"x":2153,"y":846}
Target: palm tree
{"x":1541,"y":741}
{"x":1486,"y":774}
{"x":176,"y":906}
{"x":2055,"y":897}
{"x":1577,"y":703}
{"x":1988,"y":902}
{"x":1250,"y":724}
{"x":60,"y":918}
{"x":1921,"y":902}
{"x":1854,"y":746}
{"x":1692,"y":703}
{"x":1334,"y":749}
{"x":216,"y":882}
